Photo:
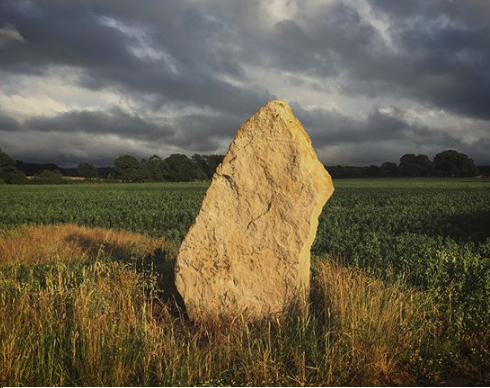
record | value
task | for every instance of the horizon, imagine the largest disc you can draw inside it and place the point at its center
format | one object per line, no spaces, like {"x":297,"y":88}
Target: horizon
{"x":111,"y":165}
{"x":369,"y":80}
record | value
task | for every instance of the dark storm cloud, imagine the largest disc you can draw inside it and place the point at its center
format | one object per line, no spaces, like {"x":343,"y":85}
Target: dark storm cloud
{"x":101,"y":38}
{"x":206,"y":133}
{"x":112,"y":122}
{"x":176,"y":54}
{"x":330,"y":128}
{"x":442,"y":57}
{"x":321,"y":45}
{"x":194,"y":131}
{"x":8,"y":124}
{"x":197,"y":132}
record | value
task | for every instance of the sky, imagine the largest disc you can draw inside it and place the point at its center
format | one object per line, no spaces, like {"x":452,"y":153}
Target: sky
{"x":371,"y":80}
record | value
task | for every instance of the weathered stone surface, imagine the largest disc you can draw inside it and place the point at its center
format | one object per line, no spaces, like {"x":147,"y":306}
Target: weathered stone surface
{"x":248,"y":252}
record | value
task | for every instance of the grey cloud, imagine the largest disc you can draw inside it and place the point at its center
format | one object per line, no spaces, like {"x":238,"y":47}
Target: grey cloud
{"x":198,"y":132}
{"x":8,"y":124}
{"x":75,"y":136}
{"x":177,"y":54}
{"x":441,"y":57}
{"x":56,"y":34}
{"x":330,"y":128}
{"x":113,"y":122}
{"x":205,"y":133}
{"x":78,"y":135}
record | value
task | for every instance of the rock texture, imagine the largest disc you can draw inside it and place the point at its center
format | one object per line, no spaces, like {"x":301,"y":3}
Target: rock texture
{"x":248,"y":252}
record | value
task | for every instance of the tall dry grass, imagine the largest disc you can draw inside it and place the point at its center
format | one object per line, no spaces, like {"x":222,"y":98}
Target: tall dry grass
{"x":103,"y":321}
{"x":67,"y":242}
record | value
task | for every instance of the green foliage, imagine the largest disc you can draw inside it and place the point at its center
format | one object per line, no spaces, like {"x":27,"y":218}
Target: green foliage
{"x":129,"y":169}
{"x":175,"y":168}
{"x":455,"y":164}
{"x":208,"y":163}
{"x":150,"y":208}
{"x":447,"y":163}
{"x":420,"y":165}
{"x":388,"y":169}
{"x":88,"y":171}
{"x":158,"y":169}
{"x":183,"y":169}
{"x":8,"y":171}
{"x":52,"y":177}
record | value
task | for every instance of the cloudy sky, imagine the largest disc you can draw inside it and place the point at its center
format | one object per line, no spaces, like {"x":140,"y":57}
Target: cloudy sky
{"x":89,"y":80}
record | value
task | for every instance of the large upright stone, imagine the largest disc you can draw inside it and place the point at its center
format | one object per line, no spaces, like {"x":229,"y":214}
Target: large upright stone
{"x":248,"y":252}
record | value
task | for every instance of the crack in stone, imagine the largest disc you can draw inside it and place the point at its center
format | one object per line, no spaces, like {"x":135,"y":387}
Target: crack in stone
{"x":269,"y":206}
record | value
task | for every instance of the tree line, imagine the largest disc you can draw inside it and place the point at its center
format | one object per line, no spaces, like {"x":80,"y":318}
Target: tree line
{"x":448,"y":163}
{"x":127,"y":168}
{"x":175,"y":168}
{"x":181,"y":168}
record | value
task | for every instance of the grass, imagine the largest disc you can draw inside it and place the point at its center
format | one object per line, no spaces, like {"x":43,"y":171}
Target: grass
{"x":400,"y":291}
{"x":94,"y":307}
{"x":39,"y":244}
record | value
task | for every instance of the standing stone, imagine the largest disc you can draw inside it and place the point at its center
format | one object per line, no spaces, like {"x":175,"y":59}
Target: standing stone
{"x":248,"y":252}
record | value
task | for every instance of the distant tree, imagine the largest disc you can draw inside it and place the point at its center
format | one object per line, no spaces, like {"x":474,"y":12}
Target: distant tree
{"x":106,"y":172}
{"x":213,"y":162}
{"x":182,"y":168}
{"x":452,"y":163}
{"x":371,"y":171}
{"x":425,"y":164}
{"x":208,"y":163}
{"x":129,"y":169}
{"x":36,"y":168}
{"x":144,"y":171}
{"x":345,"y":172}
{"x":48,"y":177}
{"x":88,"y":170}
{"x":420,"y":165}
{"x":388,"y":169}
{"x":201,"y":161}
{"x":8,"y":170}
{"x":408,"y":165}
{"x":157,"y":169}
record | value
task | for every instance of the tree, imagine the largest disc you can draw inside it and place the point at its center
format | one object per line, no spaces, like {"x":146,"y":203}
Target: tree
{"x":208,"y":163}
{"x":420,"y":165}
{"x":36,"y":168}
{"x":184,"y":169}
{"x":49,"y":177}
{"x":426,"y":167}
{"x":129,"y":169}
{"x":157,"y":169}
{"x":372,"y":171}
{"x":201,"y":161}
{"x":388,"y":169}
{"x":455,"y":164}
{"x":213,"y":162}
{"x":8,"y":171}
{"x":344,"y":171}
{"x":88,"y":171}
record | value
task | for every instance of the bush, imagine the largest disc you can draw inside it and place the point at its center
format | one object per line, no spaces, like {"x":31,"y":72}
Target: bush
{"x":49,"y":177}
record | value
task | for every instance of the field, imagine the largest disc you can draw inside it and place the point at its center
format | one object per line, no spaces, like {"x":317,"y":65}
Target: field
{"x":400,"y":293}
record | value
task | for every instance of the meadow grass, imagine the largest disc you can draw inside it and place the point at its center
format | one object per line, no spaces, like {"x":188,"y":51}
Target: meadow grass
{"x":95,"y":307}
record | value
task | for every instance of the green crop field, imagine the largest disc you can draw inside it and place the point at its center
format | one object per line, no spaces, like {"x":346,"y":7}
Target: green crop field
{"x":424,"y":238}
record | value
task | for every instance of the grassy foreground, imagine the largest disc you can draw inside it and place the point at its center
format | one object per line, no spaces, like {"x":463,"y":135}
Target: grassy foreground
{"x":91,"y":306}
